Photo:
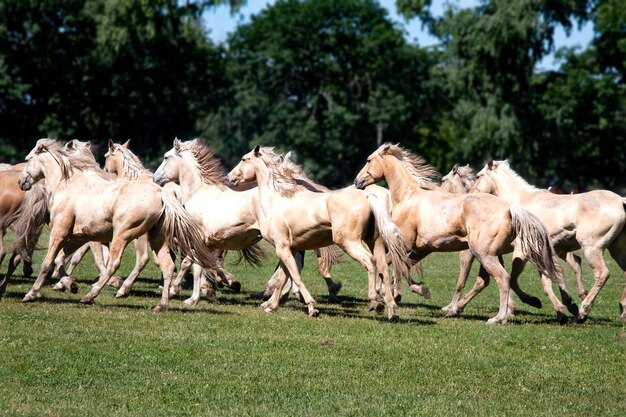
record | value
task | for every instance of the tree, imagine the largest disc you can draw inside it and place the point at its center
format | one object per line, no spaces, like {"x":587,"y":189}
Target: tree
{"x":326,"y":79}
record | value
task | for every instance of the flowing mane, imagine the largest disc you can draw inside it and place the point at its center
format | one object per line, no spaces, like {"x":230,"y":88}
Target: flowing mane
{"x":82,"y":160}
{"x":504,"y":165}
{"x":416,"y":166}
{"x":208,"y":164}
{"x":283,"y":176}
{"x":133,"y":168}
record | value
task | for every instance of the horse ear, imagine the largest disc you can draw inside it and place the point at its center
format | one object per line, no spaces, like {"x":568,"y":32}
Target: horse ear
{"x":288,"y":155}
{"x":176,"y":144}
{"x":257,"y":150}
{"x":111,"y":145}
{"x":385,"y":148}
{"x":455,"y":169}
{"x":126,"y":144}
{"x":88,"y":144}
{"x":490,"y":164}
{"x":70,"y":145}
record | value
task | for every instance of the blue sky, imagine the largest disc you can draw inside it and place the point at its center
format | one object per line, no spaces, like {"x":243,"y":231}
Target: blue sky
{"x":220,"y":22}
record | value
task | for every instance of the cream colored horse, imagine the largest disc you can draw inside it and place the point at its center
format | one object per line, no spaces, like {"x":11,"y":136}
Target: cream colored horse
{"x":195,"y":166}
{"x":432,"y":220}
{"x":120,"y":160}
{"x":460,"y":180}
{"x":86,"y":206}
{"x":591,"y":221}
{"x":294,"y":220}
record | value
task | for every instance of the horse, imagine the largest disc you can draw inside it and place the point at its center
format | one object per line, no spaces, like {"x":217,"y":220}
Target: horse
{"x":432,"y":220}
{"x":11,"y":198}
{"x":87,"y":206}
{"x":294,"y":220}
{"x":592,"y":221}
{"x":195,"y":166}
{"x":120,"y":160}
{"x":460,"y":180}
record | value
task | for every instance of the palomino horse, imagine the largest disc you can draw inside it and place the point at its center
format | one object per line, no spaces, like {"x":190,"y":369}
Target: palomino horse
{"x":11,"y":198}
{"x":432,"y":220}
{"x":460,"y":180}
{"x":120,"y":160}
{"x":196,"y":168}
{"x":86,"y":206}
{"x":293,"y":220}
{"x":592,"y":221}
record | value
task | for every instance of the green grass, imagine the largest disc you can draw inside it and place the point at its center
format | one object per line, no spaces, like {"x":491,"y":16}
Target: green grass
{"x":229,"y":358}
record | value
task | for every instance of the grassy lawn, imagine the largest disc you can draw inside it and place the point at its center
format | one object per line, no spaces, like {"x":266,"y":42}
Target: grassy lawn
{"x":229,"y":358}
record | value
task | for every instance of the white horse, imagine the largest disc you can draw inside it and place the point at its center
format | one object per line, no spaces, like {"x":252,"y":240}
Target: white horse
{"x":591,"y":221}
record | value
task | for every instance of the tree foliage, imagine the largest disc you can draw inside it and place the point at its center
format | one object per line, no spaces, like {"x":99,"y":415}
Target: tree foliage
{"x":329,"y":80}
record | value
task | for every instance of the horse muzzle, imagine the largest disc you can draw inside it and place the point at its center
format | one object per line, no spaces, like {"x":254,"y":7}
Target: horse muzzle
{"x":25,"y":182}
{"x":359,"y":183}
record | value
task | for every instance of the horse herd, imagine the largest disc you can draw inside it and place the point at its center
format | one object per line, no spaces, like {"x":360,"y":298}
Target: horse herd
{"x":190,"y":206}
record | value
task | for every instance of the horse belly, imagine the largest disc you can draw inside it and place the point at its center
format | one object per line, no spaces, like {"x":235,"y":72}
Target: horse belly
{"x":93,"y":230}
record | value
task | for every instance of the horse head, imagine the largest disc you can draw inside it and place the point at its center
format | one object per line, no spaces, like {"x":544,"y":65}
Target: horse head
{"x":245,"y":171}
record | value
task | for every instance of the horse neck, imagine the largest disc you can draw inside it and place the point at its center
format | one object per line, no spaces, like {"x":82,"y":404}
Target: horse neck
{"x":190,"y":180}
{"x":401,"y":184}
{"x":511,"y":187}
{"x":268,"y":196}
{"x":52,"y":173}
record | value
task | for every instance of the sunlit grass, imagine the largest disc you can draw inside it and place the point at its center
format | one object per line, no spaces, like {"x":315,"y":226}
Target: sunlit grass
{"x":230,"y":358}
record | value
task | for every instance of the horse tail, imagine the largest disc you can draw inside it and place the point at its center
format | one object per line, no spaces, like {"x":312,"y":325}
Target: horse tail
{"x":28,"y":221}
{"x":254,"y":255}
{"x":328,"y":256}
{"x":391,"y":235}
{"x":535,"y":242}
{"x":181,"y":231}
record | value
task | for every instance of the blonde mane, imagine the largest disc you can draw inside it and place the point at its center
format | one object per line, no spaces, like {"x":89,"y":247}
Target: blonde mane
{"x":416,"y":166}
{"x":81,"y":161}
{"x":506,"y":167}
{"x":133,"y":168}
{"x":466,"y":175}
{"x":207,"y":163}
{"x":283,"y":176}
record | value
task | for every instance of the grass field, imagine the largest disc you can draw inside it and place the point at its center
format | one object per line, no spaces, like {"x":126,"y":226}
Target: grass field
{"x":229,"y":358}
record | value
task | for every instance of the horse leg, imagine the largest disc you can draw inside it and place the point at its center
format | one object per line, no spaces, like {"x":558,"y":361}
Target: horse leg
{"x":287,"y":257}
{"x":195,"y":295}
{"x":494,"y":268}
{"x":118,"y":244}
{"x":573,"y":261}
{"x":482,"y":281}
{"x":2,"y":250}
{"x":601,"y":274}
{"x":163,"y":259}
{"x":382,"y":269}
{"x":466,"y":259}
{"x":324,"y":265}
{"x":224,"y":276}
{"x":617,"y":249}
{"x":67,"y":281}
{"x":185,"y":265}
{"x":54,"y":248}
{"x":141,"y":259}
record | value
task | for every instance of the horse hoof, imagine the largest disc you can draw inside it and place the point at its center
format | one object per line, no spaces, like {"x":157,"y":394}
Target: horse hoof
{"x":268,"y":310}
{"x":235,"y":286}
{"x":159,"y":309}
{"x":29,"y":298}
{"x":58,"y":287}
{"x":116,"y":282}
{"x":74,"y":287}
{"x":379,"y":308}
{"x":27,"y":271}
{"x":422,"y":290}
{"x":394,"y":318}
{"x":561,"y":318}
{"x":314,"y":312}
{"x":495,"y":320}
{"x":191,"y":302}
{"x":581,"y":319}
{"x":121,"y":294}
{"x":534,"y":302}
{"x":447,"y":308}
{"x":397,"y":298}
{"x":86,"y":300}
